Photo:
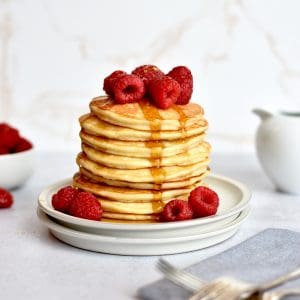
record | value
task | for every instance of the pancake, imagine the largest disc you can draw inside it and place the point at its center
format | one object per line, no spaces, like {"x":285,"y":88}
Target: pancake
{"x":153,"y":175}
{"x":143,"y":115}
{"x":94,"y":126}
{"x":143,"y":185}
{"x":146,"y":208}
{"x":135,"y":217}
{"x":128,"y":221}
{"x":191,"y":156}
{"x":136,"y":157}
{"x":122,"y":194}
{"x":152,"y":149}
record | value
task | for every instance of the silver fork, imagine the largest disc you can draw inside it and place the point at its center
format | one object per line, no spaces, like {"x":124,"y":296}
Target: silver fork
{"x":221,"y":288}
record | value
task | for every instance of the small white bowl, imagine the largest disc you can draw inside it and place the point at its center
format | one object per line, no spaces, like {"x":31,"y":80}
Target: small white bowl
{"x":16,"y":168}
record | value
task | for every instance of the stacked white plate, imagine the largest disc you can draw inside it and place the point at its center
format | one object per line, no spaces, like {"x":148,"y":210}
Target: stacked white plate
{"x":151,"y":239}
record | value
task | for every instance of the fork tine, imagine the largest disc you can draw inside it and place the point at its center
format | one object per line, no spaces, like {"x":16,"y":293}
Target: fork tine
{"x":178,"y":276}
{"x":167,"y":266}
{"x":178,"y":279}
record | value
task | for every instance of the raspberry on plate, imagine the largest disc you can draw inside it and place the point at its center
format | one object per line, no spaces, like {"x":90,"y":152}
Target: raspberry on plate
{"x":128,"y":88}
{"x":109,"y":81}
{"x":148,"y":73}
{"x":4,"y":150}
{"x":203,"y":201}
{"x":6,"y":198}
{"x":61,"y":201}
{"x":22,"y":145}
{"x":85,"y":205}
{"x":164,"y":91}
{"x":177,"y":210}
{"x":9,"y":136}
{"x":185,"y":79}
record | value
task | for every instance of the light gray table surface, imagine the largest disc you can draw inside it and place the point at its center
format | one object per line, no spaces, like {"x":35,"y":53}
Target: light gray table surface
{"x":34,"y":265}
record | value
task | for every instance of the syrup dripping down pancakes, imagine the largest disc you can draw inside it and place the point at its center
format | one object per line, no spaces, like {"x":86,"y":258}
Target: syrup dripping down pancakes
{"x":136,"y":158}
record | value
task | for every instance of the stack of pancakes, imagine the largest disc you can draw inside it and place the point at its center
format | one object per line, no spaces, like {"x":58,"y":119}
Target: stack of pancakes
{"x":136,"y":158}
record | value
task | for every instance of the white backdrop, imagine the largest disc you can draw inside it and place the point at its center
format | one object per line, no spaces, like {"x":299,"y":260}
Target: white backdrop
{"x":55,"y":54}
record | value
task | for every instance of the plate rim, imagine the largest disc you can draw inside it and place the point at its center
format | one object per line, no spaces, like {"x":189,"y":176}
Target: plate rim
{"x":42,"y":203}
{"x":45,"y":219}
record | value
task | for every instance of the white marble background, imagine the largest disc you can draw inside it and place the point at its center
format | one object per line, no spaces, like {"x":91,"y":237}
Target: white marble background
{"x":54,"y":55}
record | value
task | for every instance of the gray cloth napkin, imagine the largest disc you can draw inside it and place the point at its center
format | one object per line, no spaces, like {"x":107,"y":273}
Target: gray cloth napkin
{"x":262,"y":257}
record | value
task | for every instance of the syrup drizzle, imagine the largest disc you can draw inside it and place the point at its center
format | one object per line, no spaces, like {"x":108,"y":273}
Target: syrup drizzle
{"x":151,"y":114}
{"x":182,"y":119}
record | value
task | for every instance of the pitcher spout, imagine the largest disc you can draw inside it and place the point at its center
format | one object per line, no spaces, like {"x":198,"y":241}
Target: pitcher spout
{"x":262,"y":113}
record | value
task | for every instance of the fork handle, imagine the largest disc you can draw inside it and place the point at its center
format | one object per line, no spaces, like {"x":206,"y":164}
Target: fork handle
{"x":290,"y":293}
{"x":281,"y":280}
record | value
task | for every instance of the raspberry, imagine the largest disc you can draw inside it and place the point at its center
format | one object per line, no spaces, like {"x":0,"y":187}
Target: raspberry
{"x":185,"y":79}
{"x":109,"y":81}
{"x":148,"y":73}
{"x":9,"y":136}
{"x":177,"y":210}
{"x":6,"y":198}
{"x":164,"y":91}
{"x":62,"y":199}
{"x":128,"y":88}
{"x":85,"y":205}
{"x":22,"y":145}
{"x":203,"y":201}
{"x":3,"y":150}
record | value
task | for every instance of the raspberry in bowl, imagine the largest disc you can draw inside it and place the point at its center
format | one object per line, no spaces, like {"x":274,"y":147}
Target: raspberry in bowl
{"x":16,"y":157}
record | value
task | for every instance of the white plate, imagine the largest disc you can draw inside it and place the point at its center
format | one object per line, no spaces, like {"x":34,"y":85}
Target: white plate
{"x":140,"y":246}
{"x":234,"y":197}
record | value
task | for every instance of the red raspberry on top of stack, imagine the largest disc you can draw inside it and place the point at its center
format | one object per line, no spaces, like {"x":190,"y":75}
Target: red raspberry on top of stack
{"x":128,"y":88}
{"x":164,"y":91}
{"x":185,"y":79}
{"x":149,"y":81}
{"x":148,"y":73}
{"x":109,"y":81}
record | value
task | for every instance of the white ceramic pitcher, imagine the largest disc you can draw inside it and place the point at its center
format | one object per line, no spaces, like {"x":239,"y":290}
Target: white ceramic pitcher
{"x":278,"y":148}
